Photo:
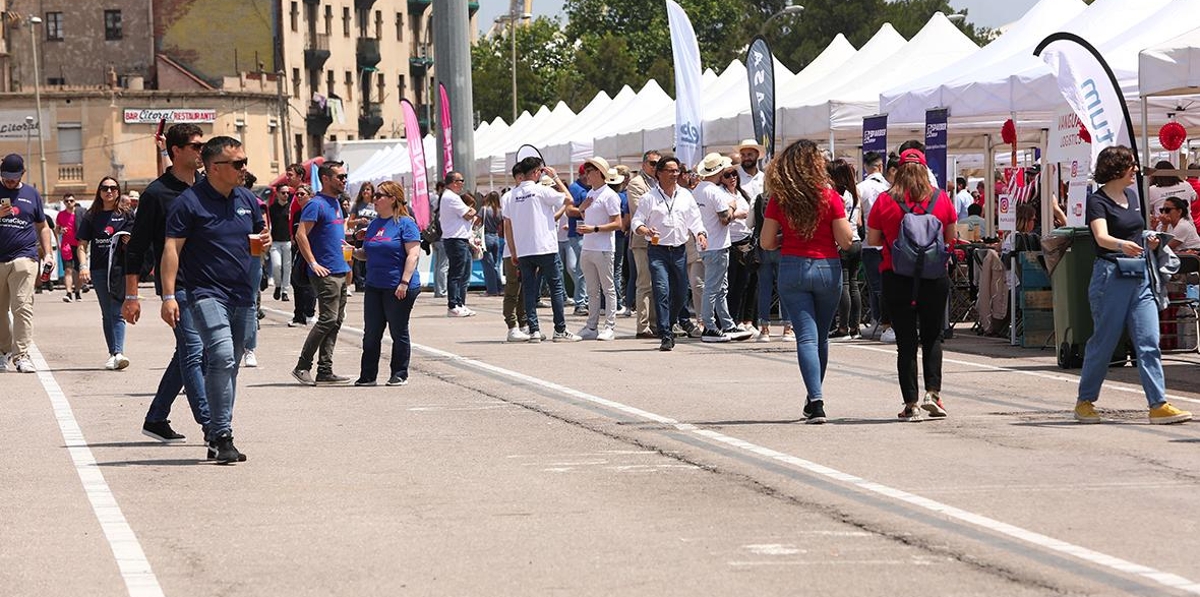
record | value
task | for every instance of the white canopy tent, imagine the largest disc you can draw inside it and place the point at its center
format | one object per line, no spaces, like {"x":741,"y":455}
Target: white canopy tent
{"x":573,"y":143}
{"x":654,"y":130}
{"x":1171,"y":67}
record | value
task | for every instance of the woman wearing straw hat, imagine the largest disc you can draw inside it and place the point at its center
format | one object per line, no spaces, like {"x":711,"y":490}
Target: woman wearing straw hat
{"x":601,"y":218}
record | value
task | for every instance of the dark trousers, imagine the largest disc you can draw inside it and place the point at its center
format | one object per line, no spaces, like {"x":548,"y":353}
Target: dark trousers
{"x":322,"y":337}
{"x":305,"y":304}
{"x":741,"y":292}
{"x":381,"y":309}
{"x":622,"y":245}
{"x":458,"y":253}
{"x":536,"y":269}
{"x":850,"y":305}
{"x":927,"y":316}
{"x":668,"y":272}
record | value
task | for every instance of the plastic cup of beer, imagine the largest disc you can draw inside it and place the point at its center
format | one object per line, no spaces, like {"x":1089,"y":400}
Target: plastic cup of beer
{"x":654,"y":239}
{"x":256,"y":245}
{"x":348,"y":253}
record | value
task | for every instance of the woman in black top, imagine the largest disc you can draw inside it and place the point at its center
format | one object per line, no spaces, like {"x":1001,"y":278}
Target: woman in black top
{"x":281,"y":242}
{"x":1120,"y":289}
{"x":96,"y":232}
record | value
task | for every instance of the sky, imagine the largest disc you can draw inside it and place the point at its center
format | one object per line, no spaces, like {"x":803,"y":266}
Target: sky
{"x":985,"y":13}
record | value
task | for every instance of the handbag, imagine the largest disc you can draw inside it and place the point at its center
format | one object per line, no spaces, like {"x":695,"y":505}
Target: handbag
{"x":1130,"y":267}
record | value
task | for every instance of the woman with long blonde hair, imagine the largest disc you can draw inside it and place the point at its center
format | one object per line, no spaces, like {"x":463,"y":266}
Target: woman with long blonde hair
{"x":806,"y":219}
{"x":391,"y":249}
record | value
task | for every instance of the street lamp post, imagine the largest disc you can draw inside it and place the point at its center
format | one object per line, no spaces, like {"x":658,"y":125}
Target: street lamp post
{"x":790,"y":9}
{"x":37,"y":93}
{"x":28,"y":135}
{"x":512,"y":17}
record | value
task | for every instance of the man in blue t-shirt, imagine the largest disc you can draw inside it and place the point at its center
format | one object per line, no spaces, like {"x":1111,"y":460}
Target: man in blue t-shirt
{"x":571,"y":249}
{"x":320,"y":238}
{"x":24,"y":239}
{"x":209,"y":232}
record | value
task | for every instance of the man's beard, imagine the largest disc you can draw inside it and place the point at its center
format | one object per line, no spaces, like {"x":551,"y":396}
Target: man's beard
{"x":749,"y":164}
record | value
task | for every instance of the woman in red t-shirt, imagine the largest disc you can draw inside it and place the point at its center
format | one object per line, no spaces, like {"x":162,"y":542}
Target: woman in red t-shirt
{"x":807,"y":219}
{"x":883,"y":227}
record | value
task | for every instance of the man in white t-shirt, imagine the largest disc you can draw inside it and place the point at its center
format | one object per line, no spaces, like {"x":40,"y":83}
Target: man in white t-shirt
{"x":456,"y":218}
{"x":514,"y":307}
{"x":963,"y":199}
{"x":750,"y":176}
{"x":601,"y":215}
{"x":717,"y":210}
{"x":532,"y":236}
{"x":869,"y":191}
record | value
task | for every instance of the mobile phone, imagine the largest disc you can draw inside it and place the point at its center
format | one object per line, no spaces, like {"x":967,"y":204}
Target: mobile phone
{"x":161,"y":125}
{"x":6,"y":202}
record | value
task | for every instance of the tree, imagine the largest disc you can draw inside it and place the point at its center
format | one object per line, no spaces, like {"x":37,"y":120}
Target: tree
{"x":543,"y":55}
{"x":601,"y":63}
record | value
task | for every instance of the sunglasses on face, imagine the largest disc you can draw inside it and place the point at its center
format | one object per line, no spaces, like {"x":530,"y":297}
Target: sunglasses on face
{"x":107,"y":188}
{"x":457,"y":180}
{"x":729,"y":175}
{"x":342,"y":177}
{"x":197,"y":146}
{"x":236,"y":164}
{"x":1166,"y":210}
{"x":669,"y":171}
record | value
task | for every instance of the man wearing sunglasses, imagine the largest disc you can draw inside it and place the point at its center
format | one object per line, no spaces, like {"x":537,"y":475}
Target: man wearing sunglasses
{"x":320,"y":237}
{"x":207,"y":253}
{"x":68,"y":245}
{"x":24,"y":239}
{"x":717,"y":209}
{"x":184,"y":143}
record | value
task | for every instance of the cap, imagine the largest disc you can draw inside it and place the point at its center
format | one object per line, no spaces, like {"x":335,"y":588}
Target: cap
{"x":12,"y":167}
{"x":910,"y":156}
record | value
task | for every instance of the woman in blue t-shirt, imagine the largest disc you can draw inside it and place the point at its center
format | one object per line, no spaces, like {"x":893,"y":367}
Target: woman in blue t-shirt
{"x":1119,"y":293}
{"x":95,"y":232}
{"x":391,"y":249}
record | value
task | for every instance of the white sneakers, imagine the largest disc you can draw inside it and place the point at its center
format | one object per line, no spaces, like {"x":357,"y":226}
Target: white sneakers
{"x":115,"y":362}
{"x":24,"y":365}
{"x":888,"y":336}
{"x":461,"y":311}
{"x":249,"y":359}
{"x":788,"y":336}
{"x":516,"y":335}
{"x":606,"y":335}
{"x":763,"y":337}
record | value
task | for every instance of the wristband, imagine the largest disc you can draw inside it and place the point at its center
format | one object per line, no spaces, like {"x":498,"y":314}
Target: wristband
{"x":131,"y":297}
{"x":168,"y":297}
{"x":405,"y":282}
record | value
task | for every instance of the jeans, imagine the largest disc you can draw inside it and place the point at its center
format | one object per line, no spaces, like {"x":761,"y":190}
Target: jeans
{"x":110,"y":314}
{"x":382,"y":309}
{"x":493,"y":247}
{"x":811,"y":288}
{"x":850,"y":305}
{"x":714,"y":307}
{"x":929,"y":313}
{"x":256,"y":275}
{"x":222,"y":329}
{"x":871,"y":259}
{"x":1116,"y":301}
{"x":569,"y":252}
{"x":598,"y":273}
{"x":281,"y":264}
{"x":768,"y":270}
{"x":668,"y":275}
{"x":331,"y":303}
{"x":441,"y":269}
{"x":534,"y":270}
{"x":514,"y":307}
{"x":458,"y":254}
{"x":305,"y":302}
{"x":186,"y":370}
{"x":741,"y":293}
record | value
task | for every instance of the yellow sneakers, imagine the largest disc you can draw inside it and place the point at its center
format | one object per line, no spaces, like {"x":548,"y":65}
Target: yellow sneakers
{"x":1165,"y":414}
{"x":1085,"y":412}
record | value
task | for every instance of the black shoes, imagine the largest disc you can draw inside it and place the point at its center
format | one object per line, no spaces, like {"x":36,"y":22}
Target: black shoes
{"x":285,"y":298}
{"x":365,"y":383}
{"x":396,"y":380}
{"x":303,"y":376}
{"x":328,"y":379}
{"x":222,"y":450}
{"x":814,"y":412}
{"x":667,"y":344}
{"x":161,"y":431}
{"x":278,"y":292}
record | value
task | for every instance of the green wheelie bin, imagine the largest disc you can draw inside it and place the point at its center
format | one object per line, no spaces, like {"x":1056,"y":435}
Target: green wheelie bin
{"x":1069,"y":283}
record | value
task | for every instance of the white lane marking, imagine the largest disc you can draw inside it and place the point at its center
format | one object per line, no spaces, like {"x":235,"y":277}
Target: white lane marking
{"x":774,"y":549}
{"x":139,"y":578}
{"x":1167,"y":579}
{"x":1112,"y":385}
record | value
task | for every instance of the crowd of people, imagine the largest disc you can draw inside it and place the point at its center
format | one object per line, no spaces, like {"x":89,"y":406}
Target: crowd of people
{"x":717,"y":251}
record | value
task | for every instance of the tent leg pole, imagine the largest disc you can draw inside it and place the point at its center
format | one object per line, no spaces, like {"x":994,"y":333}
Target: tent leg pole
{"x":989,"y":190}
{"x":1047,"y":212}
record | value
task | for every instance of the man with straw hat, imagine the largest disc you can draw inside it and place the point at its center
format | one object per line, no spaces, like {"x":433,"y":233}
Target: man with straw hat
{"x":601,"y":218}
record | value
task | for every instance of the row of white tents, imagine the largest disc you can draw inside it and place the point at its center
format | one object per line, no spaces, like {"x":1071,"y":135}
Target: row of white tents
{"x":1153,"y":47}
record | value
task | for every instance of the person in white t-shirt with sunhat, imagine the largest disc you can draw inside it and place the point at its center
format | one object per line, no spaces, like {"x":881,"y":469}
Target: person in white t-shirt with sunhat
{"x":601,"y":218}
{"x":717,"y":208}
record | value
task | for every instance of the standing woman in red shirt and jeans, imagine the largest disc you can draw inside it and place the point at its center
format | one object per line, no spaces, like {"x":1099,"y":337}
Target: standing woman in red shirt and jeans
{"x":911,"y":185}
{"x":806,"y":218}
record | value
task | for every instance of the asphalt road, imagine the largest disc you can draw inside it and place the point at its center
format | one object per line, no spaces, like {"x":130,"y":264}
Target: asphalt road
{"x":589,"y":469}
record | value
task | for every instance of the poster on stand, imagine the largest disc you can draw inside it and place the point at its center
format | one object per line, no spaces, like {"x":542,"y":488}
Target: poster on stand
{"x":1073,"y":155}
{"x":874,"y":137}
{"x":935,"y":143}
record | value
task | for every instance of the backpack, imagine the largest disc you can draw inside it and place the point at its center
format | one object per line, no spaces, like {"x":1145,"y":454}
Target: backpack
{"x":433,"y":231}
{"x":919,"y":251}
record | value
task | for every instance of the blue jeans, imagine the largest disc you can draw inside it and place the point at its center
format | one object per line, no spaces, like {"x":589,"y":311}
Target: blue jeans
{"x":493,"y":247}
{"x":669,"y":281}
{"x":714,"y":310}
{"x":536,"y":270}
{"x":381,"y":309}
{"x":223,"y":330}
{"x":186,"y":370}
{"x":811,"y":289}
{"x":458,"y":253}
{"x":569,"y":252}
{"x":441,"y":269}
{"x":110,"y":314}
{"x":871,"y":259}
{"x":1116,"y":300}
{"x":256,"y":275}
{"x":768,"y":270}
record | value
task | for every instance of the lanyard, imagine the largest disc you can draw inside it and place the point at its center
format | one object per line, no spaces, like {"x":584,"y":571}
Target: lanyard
{"x":670,"y":205}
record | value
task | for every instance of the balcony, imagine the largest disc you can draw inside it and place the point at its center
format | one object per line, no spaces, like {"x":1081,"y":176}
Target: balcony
{"x":418,"y":6}
{"x":420,"y":58}
{"x":316,"y":52}
{"x":370,"y":121}
{"x":70,"y":174}
{"x":318,"y":119}
{"x":363,"y":4}
{"x":368,"y":53}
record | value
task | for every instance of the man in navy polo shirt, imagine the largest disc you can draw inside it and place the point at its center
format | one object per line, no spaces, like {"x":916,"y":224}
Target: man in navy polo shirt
{"x":24,"y":239}
{"x":208,"y":241}
{"x":321,"y":234}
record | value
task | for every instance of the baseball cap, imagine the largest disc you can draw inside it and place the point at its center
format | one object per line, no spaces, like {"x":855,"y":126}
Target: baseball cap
{"x":910,"y":156}
{"x":12,"y":167}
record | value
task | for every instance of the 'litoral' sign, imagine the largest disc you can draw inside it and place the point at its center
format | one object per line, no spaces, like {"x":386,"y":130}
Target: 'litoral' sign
{"x":153,"y":116}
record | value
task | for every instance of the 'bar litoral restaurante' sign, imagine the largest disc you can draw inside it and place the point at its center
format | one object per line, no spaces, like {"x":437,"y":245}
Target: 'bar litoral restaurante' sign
{"x":172,"y":115}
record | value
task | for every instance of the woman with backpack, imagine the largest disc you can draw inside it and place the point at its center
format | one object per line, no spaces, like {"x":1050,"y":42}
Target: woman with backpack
{"x":914,"y":223}
{"x":812,"y":219}
{"x":100,"y":223}
{"x":1119,"y":293}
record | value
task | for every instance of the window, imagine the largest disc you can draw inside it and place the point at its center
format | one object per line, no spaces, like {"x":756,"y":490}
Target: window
{"x":59,"y":81}
{"x":349,"y":86}
{"x":70,"y":143}
{"x":346,"y":21}
{"x":400,"y":85}
{"x":379,"y":24}
{"x":328,"y":20}
{"x":295,"y":82}
{"x":295,"y":16}
{"x":54,"y":26}
{"x":329,"y":83}
{"x":379,"y":81}
{"x":399,"y":26}
{"x":112,"y":25}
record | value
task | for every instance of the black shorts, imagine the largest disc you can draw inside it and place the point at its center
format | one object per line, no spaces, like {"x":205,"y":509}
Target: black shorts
{"x":73,"y":262}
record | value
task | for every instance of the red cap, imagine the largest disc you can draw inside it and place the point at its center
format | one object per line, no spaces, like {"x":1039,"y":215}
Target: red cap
{"x":581,"y":168}
{"x":910,"y":156}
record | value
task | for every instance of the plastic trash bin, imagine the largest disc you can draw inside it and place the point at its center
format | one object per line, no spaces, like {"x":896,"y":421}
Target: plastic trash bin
{"x":1069,"y":283}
